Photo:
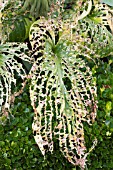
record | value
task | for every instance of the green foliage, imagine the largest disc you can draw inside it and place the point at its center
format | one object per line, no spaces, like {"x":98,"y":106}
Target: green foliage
{"x":69,"y":49}
{"x":28,"y":156}
{"x":18,"y":150}
{"x":15,"y":27}
{"x":102,"y":156}
{"x":20,"y":32}
{"x":56,"y":42}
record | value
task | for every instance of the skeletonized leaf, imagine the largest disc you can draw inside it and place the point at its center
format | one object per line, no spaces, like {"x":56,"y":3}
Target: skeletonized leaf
{"x":62,"y":91}
{"x":10,"y":53}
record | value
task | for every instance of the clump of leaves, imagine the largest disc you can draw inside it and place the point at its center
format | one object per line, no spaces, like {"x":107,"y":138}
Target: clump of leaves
{"x":62,"y":88}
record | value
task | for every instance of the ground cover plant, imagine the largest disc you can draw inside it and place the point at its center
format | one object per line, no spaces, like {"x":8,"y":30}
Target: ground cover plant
{"x":67,"y":66}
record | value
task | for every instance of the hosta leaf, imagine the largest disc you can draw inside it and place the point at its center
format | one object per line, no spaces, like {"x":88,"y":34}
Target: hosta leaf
{"x":62,"y":91}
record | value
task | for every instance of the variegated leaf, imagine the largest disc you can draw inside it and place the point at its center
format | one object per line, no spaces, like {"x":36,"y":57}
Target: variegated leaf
{"x":62,"y":91}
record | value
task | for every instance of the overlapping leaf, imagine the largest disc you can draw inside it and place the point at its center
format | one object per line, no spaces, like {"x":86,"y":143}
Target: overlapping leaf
{"x":9,"y":67}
